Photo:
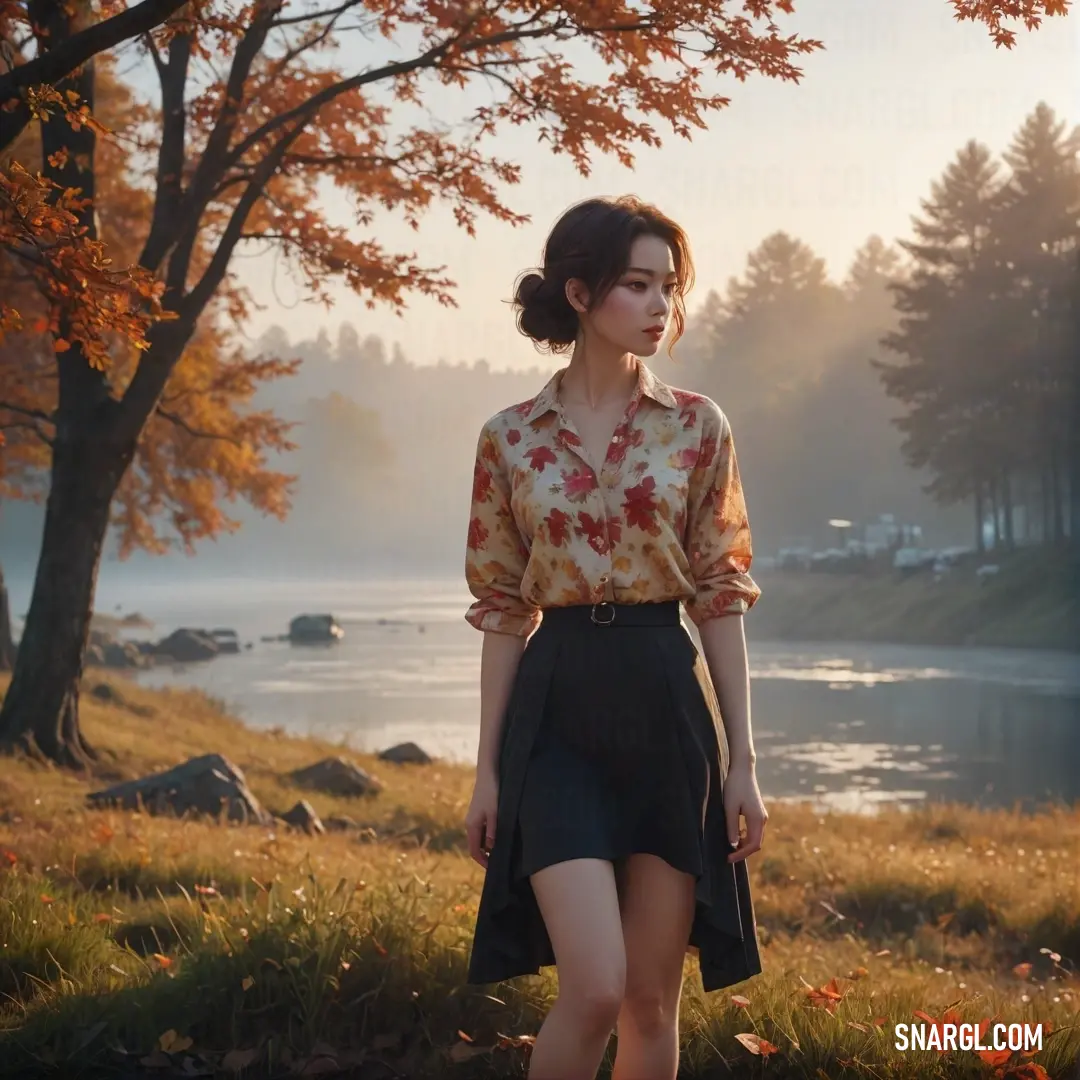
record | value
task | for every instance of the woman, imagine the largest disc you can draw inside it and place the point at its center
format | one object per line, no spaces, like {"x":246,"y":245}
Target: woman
{"x":608,"y":791}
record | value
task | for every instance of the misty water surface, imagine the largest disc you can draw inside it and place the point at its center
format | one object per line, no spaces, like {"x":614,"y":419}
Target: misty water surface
{"x":850,"y":726}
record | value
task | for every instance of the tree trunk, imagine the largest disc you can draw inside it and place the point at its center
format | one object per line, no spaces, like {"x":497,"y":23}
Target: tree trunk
{"x":40,"y":713}
{"x":1007,"y":510}
{"x":980,"y":518}
{"x":1044,"y":492}
{"x":994,"y":509}
{"x":7,"y":642}
{"x":1057,"y":495}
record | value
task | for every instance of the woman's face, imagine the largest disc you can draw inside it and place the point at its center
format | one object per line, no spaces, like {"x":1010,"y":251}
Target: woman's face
{"x":633,"y":317}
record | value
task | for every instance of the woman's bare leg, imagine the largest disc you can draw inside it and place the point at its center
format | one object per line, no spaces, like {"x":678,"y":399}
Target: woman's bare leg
{"x":580,"y":906}
{"x":657,"y":913}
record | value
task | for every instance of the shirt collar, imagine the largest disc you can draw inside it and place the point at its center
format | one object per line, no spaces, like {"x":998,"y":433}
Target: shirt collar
{"x":648,"y":384}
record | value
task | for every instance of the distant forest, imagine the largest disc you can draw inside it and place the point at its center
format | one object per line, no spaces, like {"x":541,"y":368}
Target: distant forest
{"x":937,"y":382}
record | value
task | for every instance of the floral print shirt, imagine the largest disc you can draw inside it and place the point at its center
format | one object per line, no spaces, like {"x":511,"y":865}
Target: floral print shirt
{"x":665,"y":518}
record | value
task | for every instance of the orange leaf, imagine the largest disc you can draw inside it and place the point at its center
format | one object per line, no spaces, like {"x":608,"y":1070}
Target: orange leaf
{"x":46,"y":899}
{"x":164,"y":961}
{"x":463,"y":1051}
{"x":756,"y":1044}
{"x":1030,"y":1070}
{"x":61,"y":344}
{"x":1022,"y":971}
{"x":235,"y":1060}
{"x":993,"y":1058}
{"x":102,"y":917}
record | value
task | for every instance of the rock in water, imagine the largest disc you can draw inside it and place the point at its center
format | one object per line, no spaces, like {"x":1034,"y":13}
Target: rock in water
{"x":336,"y":776}
{"x":204,"y":785}
{"x":185,"y":645}
{"x":306,"y":629}
{"x":406,"y":753}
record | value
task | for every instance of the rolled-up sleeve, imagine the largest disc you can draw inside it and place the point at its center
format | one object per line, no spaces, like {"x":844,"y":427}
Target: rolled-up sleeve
{"x":496,"y":556}
{"x":718,"y":530}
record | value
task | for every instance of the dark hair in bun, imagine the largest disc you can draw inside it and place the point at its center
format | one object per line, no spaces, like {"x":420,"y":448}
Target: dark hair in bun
{"x":592,"y":242}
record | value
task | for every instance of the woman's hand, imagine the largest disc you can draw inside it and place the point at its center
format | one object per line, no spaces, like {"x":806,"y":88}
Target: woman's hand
{"x":480,"y":819}
{"x":741,"y":796}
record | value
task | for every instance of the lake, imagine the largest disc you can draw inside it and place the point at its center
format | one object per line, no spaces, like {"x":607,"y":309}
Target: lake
{"x":849,"y":726}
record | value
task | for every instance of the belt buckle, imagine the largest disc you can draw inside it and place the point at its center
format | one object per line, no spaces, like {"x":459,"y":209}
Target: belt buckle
{"x":602,"y":622}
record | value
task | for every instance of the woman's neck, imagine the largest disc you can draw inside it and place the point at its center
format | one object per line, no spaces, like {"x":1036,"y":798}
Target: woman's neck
{"x":596,"y":380}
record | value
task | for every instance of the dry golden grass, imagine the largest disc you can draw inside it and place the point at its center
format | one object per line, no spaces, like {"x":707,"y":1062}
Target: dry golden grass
{"x":122,"y":930}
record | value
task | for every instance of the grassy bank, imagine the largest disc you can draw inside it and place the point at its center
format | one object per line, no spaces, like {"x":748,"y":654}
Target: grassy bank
{"x":1033,"y":602}
{"x":134,"y":945}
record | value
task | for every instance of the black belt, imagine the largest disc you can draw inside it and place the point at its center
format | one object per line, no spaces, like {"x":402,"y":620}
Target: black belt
{"x":661,"y":613}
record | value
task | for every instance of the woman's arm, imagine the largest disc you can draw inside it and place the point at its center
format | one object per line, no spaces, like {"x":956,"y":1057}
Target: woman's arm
{"x":499,"y":659}
{"x":720,"y":556}
{"x":724,"y":643}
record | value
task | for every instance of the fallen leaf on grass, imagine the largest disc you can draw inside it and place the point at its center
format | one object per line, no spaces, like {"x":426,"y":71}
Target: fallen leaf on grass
{"x":164,"y":961}
{"x":463,"y":1051}
{"x":950,"y":1016}
{"x":1022,"y":971}
{"x":825,"y":997}
{"x":994,"y":1058}
{"x":235,"y":1060}
{"x":46,"y":899}
{"x":756,"y":1044}
{"x":171,"y":1043}
{"x":858,"y":973}
{"x":1028,"y":1071}
{"x":507,"y":1041}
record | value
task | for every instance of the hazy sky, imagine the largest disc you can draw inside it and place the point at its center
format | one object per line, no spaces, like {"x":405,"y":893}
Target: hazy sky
{"x":850,"y":151}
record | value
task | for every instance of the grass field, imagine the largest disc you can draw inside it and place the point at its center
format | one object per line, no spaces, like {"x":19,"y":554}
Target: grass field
{"x":133,"y":945}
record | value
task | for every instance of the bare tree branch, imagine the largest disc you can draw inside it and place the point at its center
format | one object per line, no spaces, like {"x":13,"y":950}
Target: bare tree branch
{"x":33,"y":414}
{"x":194,"y":432}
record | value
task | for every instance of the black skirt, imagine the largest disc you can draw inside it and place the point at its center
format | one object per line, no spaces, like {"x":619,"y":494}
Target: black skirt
{"x":610,"y":747}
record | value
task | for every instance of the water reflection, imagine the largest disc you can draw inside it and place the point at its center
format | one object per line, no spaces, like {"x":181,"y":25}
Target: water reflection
{"x":985,"y":732}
